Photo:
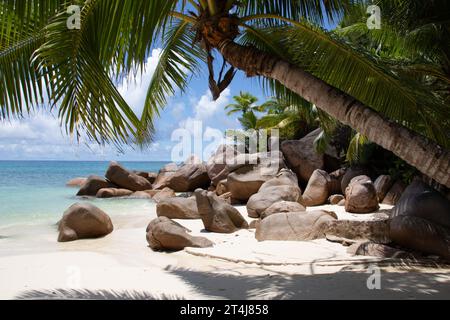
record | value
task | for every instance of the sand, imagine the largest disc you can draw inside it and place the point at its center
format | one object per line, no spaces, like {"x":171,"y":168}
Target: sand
{"x":34,"y":266}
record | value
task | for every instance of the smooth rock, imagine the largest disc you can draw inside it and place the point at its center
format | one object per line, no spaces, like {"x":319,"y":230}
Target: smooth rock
{"x":302,"y":157}
{"x":361,"y":196}
{"x":126,"y":179}
{"x":165,"y":234}
{"x":178,"y":208}
{"x":316,"y":192}
{"x":382,"y":185}
{"x":84,"y":221}
{"x":163,"y":178}
{"x":191,"y":176}
{"x":351,"y":173}
{"x":217,"y":215}
{"x":394,"y":194}
{"x":282,"y":207}
{"x":284,"y":187}
{"x":299,"y":226}
{"x":421,"y":221}
{"x":92,"y":185}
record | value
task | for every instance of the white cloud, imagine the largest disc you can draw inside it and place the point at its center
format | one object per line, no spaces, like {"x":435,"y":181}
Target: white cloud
{"x":134,"y":91}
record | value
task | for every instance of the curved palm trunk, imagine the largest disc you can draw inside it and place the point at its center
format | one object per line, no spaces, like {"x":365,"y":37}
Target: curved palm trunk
{"x":427,"y":156}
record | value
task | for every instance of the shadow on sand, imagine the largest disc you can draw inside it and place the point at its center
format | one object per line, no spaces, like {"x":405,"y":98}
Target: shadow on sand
{"x":232,"y":283}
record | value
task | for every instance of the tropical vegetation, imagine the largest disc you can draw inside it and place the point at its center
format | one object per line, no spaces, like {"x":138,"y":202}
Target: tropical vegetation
{"x":402,"y":107}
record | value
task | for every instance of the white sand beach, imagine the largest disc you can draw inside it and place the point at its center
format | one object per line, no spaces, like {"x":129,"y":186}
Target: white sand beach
{"x":35,"y":266}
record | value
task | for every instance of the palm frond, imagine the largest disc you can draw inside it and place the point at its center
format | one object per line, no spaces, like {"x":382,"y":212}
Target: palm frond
{"x":357,"y":73}
{"x":179,"y":60}
{"x":312,"y":10}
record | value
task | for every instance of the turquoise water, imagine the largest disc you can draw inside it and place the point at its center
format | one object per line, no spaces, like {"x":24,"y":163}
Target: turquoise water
{"x":34,"y":192}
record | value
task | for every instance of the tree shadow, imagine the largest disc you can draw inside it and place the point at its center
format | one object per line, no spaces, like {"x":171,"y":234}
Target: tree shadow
{"x":84,"y":294}
{"x":342,"y":285}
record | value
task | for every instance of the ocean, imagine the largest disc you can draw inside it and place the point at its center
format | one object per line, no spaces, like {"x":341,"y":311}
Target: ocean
{"x":34,"y":192}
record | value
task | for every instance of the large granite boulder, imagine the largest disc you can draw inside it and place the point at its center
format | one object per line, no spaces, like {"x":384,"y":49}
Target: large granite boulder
{"x":165,"y":234}
{"x":351,"y":173}
{"x":219,"y":165}
{"x":361,"y":196}
{"x":113,"y":193}
{"x":284,"y":187}
{"x":76,"y":182}
{"x":92,"y":185}
{"x":316,"y":192}
{"x":191,"y":176}
{"x":163,"y":178}
{"x":283,"y":207}
{"x":394,"y":194}
{"x":84,"y":221}
{"x":217,"y":215}
{"x":382,"y":185}
{"x":245,"y":182}
{"x":421,"y":221}
{"x":302,"y":157}
{"x":269,"y":164}
{"x":294,"y":226}
{"x":126,"y":179}
{"x":178,"y":208}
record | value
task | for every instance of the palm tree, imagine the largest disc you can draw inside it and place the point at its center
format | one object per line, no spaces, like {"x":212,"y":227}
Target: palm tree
{"x":245,"y":103}
{"x":293,"y":120}
{"x":75,"y":70}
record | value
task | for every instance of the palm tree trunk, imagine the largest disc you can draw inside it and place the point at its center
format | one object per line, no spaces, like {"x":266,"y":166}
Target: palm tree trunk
{"x":425,"y":155}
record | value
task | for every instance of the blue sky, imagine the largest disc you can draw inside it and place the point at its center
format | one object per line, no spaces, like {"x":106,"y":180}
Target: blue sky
{"x":39,"y":136}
